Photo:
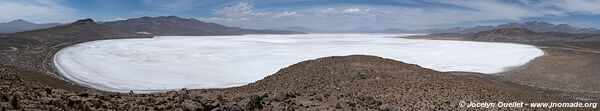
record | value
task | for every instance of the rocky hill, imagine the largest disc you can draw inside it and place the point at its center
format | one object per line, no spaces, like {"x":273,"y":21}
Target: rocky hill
{"x":80,"y":30}
{"x":533,"y":26}
{"x":175,"y":26}
{"x":526,"y":35}
{"x":548,"y":27}
{"x":22,"y":25}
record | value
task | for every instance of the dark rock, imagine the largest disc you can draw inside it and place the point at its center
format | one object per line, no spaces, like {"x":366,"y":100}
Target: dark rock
{"x":95,"y":102}
{"x":338,"y":106}
{"x":73,"y":100}
{"x":254,"y":103}
{"x":190,"y":106}
{"x":217,"y":109}
{"x":371,"y":100}
{"x":4,"y":98}
{"x":201,"y":100}
{"x":84,"y":94}
{"x":45,"y":100}
{"x":234,"y":108}
{"x":281,"y":97}
{"x":48,"y":90}
{"x":385,"y":107}
{"x":206,"y":103}
{"x":15,"y":103}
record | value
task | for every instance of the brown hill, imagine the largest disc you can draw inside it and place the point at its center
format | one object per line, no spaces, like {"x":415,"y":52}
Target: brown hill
{"x":535,"y":26}
{"x":526,"y":35}
{"x":509,"y":34}
{"x":175,"y":26}
{"x":81,"y":30}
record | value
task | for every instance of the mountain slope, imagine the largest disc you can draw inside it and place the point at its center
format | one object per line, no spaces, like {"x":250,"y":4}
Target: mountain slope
{"x":81,"y":30}
{"x":175,"y":26}
{"x":547,"y":27}
{"x":526,"y":35}
{"x":533,"y":26}
{"x":22,"y":25}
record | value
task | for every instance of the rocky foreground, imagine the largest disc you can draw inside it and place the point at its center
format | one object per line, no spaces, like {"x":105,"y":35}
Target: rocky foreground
{"x":331,"y":83}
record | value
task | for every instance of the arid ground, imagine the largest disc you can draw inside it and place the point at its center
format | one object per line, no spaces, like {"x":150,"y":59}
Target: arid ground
{"x":568,"y":72}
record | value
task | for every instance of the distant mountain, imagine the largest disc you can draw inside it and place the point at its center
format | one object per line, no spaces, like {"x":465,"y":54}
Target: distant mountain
{"x":174,"y":26}
{"x":533,"y":26}
{"x":440,"y":30}
{"x":409,"y":31}
{"x":22,"y":25}
{"x":547,"y":27}
{"x":81,"y":30}
{"x":527,"y":35}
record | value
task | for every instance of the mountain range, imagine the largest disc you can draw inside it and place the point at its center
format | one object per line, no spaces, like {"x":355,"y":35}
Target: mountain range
{"x":81,"y":30}
{"x":533,"y":26}
{"x":22,"y":25}
{"x":518,"y":35}
{"x":157,"y":26}
{"x":528,"y":35}
{"x":175,"y":26}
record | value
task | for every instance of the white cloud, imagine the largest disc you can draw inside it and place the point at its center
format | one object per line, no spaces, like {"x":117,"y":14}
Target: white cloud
{"x":583,"y":6}
{"x":490,"y":9}
{"x":567,"y":6}
{"x":438,"y":13}
{"x":35,"y":10}
{"x":118,"y":18}
{"x":356,"y":11}
{"x":343,"y":11}
{"x":351,"y":10}
{"x":327,"y":11}
{"x":242,"y":10}
{"x":287,"y":14}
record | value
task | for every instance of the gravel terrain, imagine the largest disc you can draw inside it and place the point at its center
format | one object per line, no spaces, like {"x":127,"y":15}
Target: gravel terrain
{"x":331,"y":83}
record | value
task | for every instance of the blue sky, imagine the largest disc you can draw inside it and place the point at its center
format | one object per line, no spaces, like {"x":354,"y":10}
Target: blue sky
{"x":317,"y":14}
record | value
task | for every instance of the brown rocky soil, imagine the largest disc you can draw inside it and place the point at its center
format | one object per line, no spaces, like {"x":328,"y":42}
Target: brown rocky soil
{"x":331,"y":83}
